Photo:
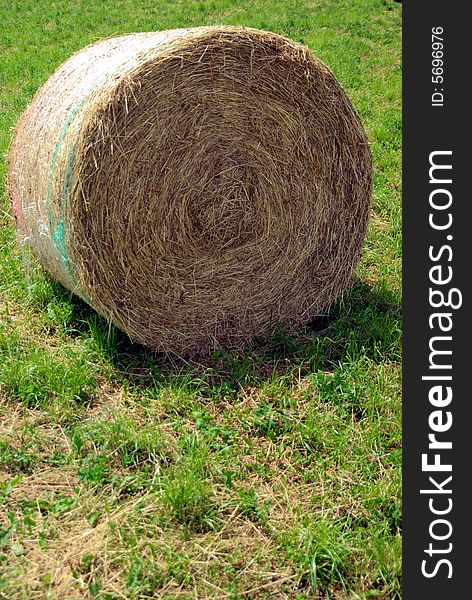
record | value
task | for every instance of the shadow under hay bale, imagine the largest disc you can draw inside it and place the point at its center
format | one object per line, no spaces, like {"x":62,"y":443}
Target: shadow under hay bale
{"x":194,"y":186}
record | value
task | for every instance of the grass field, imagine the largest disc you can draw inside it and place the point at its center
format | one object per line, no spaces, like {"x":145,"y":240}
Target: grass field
{"x":276,"y":474}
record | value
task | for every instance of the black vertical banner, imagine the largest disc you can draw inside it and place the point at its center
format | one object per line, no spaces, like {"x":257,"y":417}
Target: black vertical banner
{"x":437,"y":326}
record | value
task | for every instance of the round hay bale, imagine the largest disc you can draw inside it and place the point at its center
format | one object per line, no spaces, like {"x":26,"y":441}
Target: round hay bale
{"x":194,"y":186}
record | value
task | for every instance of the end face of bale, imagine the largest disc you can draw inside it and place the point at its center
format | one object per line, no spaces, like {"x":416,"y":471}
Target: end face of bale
{"x":202,"y":186}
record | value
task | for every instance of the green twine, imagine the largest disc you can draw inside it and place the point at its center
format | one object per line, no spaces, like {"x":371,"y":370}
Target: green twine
{"x":57,"y":231}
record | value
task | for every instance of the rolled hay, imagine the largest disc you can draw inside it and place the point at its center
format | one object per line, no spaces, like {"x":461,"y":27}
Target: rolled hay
{"x":196,"y":186}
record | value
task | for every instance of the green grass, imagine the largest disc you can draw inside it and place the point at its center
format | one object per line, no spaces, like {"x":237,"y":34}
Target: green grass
{"x":273,"y":474}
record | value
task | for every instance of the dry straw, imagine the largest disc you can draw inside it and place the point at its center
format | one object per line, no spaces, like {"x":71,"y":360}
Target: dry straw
{"x":194,"y":186}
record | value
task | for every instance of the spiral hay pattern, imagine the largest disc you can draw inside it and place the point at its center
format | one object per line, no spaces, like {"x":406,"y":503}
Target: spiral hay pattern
{"x":194,"y":186}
